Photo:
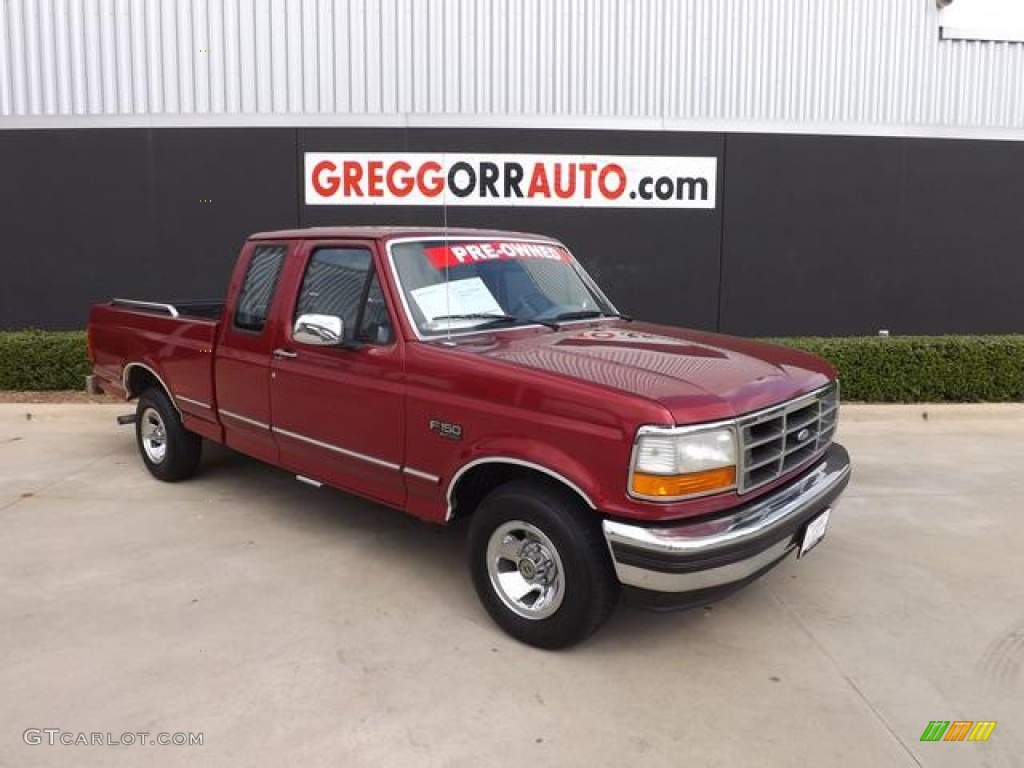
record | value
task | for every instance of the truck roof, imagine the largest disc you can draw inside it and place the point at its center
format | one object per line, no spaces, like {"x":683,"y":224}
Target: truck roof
{"x":390,"y":233}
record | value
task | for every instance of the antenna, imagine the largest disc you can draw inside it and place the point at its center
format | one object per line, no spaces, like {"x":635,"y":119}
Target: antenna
{"x":447,"y":295}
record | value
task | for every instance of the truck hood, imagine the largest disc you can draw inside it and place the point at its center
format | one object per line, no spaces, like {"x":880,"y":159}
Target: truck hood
{"x":696,"y":376}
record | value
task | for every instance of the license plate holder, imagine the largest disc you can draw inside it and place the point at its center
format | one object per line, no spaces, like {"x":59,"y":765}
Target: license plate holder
{"x":814,"y":532}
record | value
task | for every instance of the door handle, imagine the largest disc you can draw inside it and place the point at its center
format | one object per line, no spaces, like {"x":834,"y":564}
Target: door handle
{"x":284,"y":354}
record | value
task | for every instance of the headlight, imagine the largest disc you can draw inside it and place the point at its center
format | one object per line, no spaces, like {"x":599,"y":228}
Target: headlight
{"x":670,"y":464}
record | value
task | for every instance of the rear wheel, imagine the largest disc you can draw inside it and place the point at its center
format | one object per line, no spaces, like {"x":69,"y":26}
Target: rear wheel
{"x":539,"y":564}
{"x":169,"y":451}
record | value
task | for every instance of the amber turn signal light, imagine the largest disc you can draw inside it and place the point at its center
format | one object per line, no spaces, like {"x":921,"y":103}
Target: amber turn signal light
{"x":674,"y":486}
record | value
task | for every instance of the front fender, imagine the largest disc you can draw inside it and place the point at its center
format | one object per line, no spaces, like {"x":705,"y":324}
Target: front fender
{"x":527,"y":452}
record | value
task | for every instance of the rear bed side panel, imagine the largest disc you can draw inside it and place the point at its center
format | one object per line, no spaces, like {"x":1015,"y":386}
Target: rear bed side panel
{"x":178,"y":351}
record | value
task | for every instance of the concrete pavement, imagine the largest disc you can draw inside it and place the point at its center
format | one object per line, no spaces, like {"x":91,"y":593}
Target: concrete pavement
{"x":294,"y":626}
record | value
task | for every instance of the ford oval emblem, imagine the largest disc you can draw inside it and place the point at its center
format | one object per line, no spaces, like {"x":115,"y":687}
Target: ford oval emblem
{"x":803,"y":434}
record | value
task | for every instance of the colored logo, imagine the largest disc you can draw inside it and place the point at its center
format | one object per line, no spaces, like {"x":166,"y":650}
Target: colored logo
{"x":958,"y":730}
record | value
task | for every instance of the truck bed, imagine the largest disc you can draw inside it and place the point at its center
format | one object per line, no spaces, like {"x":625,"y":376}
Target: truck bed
{"x":173,"y":342}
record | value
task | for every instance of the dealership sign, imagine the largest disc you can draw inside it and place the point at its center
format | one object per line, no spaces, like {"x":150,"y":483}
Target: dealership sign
{"x":580,"y":181}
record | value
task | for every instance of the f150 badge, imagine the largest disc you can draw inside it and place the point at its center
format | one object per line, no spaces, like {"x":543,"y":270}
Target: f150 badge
{"x":446,"y":429}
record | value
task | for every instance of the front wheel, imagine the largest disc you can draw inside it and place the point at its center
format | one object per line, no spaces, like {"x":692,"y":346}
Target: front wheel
{"x":540,"y":565}
{"x":169,"y":451}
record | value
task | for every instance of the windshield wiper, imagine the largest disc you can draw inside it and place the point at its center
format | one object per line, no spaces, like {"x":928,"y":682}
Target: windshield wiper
{"x":492,"y":317}
{"x":587,"y":314}
{"x":495,"y":318}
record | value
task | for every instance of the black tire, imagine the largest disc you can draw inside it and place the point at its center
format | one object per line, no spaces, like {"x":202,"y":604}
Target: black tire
{"x":169,"y":451}
{"x":512,"y":519}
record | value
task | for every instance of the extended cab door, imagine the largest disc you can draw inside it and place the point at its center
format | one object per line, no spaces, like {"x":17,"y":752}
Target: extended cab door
{"x":338,"y":411}
{"x":242,"y":364}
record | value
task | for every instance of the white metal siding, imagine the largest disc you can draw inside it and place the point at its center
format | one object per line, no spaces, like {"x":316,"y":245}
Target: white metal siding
{"x":831,"y":65}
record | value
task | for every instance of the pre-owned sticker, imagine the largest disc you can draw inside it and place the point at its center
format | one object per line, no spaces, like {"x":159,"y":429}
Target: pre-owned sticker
{"x":442,"y":256}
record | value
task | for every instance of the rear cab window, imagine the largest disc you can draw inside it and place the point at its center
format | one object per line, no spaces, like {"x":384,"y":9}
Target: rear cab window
{"x":261,"y":278}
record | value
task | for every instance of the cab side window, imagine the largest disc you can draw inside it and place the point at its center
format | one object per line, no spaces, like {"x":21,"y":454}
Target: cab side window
{"x":258,"y":288}
{"x":342,"y":282}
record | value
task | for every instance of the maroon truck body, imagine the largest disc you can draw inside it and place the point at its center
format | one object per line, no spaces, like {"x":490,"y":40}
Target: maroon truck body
{"x":433,"y":425}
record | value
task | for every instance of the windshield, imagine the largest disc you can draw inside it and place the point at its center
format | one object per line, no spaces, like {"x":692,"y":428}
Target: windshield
{"x":459,"y":285}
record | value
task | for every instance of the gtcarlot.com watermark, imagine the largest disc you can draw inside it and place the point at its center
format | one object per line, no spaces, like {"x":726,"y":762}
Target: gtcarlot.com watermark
{"x":56,"y":736}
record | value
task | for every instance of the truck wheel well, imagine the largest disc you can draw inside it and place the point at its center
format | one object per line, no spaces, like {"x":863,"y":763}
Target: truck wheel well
{"x":471,"y":488}
{"x":138,"y":378}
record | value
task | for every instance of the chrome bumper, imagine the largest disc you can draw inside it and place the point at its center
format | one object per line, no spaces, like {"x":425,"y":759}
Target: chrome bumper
{"x":707,"y":559}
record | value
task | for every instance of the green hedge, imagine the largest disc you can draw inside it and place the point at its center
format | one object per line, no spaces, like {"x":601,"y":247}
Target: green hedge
{"x":43,"y":360}
{"x":924,"y":369}
{"x":896,"y":369}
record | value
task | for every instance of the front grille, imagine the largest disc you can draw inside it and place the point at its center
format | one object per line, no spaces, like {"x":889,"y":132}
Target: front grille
{"x":777,"y":440}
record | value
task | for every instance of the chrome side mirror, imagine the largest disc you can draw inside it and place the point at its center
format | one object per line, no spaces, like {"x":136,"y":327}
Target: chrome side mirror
{"x":319,"y":330}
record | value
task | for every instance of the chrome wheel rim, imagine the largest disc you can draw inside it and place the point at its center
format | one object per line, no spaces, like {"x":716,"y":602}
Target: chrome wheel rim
{"x":154,"y":435}
{"x":525,"y":570}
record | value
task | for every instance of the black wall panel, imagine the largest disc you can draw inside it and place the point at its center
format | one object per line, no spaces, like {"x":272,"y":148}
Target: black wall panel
{"x":811,"y":234}
{"x":962,"y":243}
{"x":661,"y":264}
{"x":75,"y":215}
{"x":90,"y":214}
{"x":850,"y":235}
{"x":249,"y":176}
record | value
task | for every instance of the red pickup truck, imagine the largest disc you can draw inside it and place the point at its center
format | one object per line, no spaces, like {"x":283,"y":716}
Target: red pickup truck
{"x":483,"y":374}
